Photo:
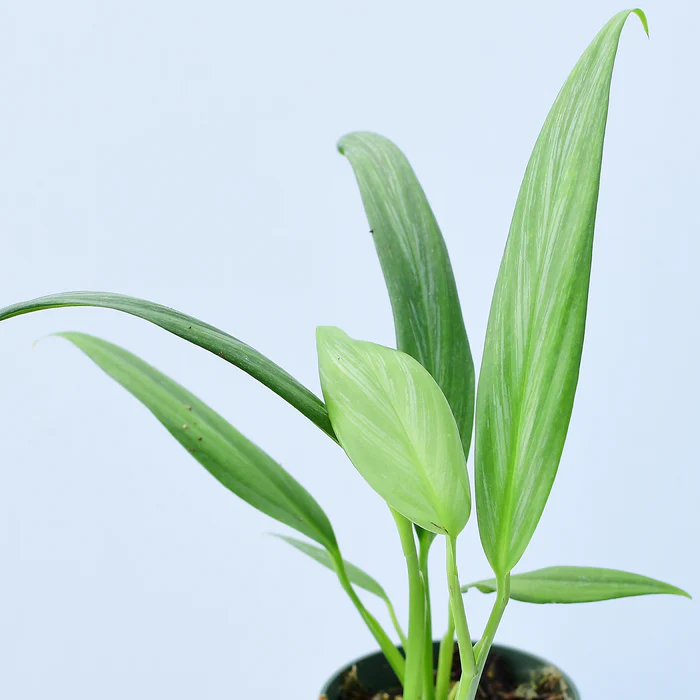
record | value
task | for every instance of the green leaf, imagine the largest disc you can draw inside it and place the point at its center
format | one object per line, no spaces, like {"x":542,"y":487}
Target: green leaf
{"x":237,"y":463}
{"x":197,"y":332}
{"x":417,"y":270}
{"x":577,"y":584}
{"x":535,"y":331}
{"x":356,"y":576}
{"x":396,"y":426}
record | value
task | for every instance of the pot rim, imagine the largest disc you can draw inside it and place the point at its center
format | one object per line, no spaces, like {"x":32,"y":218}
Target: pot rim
{"x":496,"y":647}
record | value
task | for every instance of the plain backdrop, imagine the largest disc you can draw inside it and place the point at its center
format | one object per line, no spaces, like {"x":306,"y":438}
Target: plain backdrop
{"x":185,"y":153}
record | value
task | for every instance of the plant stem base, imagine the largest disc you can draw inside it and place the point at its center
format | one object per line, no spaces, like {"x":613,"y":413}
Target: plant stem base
{"x":509,"y":673}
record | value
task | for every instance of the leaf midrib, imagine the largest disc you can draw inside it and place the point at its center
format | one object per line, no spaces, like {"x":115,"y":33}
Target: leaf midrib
{"x":409,"y":441}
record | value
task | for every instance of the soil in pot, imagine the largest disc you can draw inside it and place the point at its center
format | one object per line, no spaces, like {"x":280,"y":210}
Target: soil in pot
{"x":497,"y":683}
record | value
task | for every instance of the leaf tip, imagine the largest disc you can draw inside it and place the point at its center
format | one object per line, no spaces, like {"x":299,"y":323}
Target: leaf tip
{"x":361,"y":140}
{"x":325,"y":334}
{"x":344,"y":142}
{"x":643,"y":19}
{"x":64,"y":334}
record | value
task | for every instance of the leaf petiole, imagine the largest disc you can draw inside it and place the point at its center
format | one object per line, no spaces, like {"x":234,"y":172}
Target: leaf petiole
{"x":483,"y":647}
{"x":466,"y":651}
{"x":424,"y":544}
{"x":416,"y":619}
{"x":447,"y":646}
{"x":396,"y":623}
{"x":392,"y":654}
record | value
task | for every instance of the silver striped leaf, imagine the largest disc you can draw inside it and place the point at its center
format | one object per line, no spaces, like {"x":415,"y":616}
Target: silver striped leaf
{"x":395,"y":424}
{"x":535,"y":331}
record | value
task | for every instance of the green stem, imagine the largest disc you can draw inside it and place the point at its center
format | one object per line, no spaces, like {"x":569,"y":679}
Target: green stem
{"x":396,"y":623}
{"x":447,"y":650}
{"x":428,"y":675}
{"x":466,"y":651}
{"x":416,"y":604}
{"x":393,"y":656}
{"x":483,"y":647}
{"x":502,"y":597}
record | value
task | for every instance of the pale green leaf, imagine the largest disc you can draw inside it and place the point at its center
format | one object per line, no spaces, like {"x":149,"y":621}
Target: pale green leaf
{"x":577,"y":584}
{"x":232,"y":459}
{"x":396,"y":426}
{"x":535,"y":332}
{"x":356,"y":576}
{"x":197,"y":332}
{"x":417,"y":270}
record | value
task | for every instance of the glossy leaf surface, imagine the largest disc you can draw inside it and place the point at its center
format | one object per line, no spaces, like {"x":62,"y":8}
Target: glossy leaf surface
{"x":197,"y":332}
{"x":396,"y":426}
{"x":535,"y":331}
{"x":417,"y":270}
{"x":232,"y":459}
{"x":578,"y":584}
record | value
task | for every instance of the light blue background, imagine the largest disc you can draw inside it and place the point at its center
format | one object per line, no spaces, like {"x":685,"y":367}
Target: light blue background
{"x":184,"y":153}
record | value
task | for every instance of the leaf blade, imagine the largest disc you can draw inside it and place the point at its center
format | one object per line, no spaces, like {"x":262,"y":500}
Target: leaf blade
{"x":228,"y":456}
{"x":194,"y":331}
{"x":567,"y":585}
{"x":417,"y":270}
{"x":536,"y":326}
{"x":396,"y":426}
{"x":355,"y":574}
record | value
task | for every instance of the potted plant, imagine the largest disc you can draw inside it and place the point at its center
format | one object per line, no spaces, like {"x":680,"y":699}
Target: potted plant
{"x":404,"y":416}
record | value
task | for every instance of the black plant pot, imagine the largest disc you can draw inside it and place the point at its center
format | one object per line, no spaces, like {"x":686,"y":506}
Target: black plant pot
{"x":375,"y":674}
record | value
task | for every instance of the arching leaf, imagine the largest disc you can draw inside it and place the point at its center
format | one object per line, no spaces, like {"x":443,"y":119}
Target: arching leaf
{"x":232,"y":459}
{"x":197,"y":332}
{"x":417,"y":270}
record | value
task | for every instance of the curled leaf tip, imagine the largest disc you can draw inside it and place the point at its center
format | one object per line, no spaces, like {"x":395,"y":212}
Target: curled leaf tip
{"x":343,"y":142}
{"x":360,"y":139}
{"x":643,"y":19}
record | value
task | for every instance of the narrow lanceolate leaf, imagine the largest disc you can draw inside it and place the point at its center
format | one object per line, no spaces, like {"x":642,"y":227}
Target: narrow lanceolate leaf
{"x":237,"y":463}
{"x":197,"y":332}
{"x":417,"y":270}
{"x":535,"y":332}
{"x":395,"y":424}
{"x":356,"y":576}
{"x":577,"y":584}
